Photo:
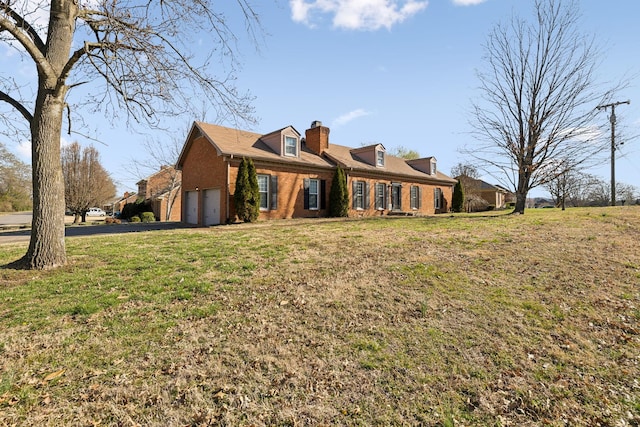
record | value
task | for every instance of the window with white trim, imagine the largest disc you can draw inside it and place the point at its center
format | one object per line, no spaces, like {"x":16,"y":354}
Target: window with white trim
{"x":263,"y":186}
{"x":268,"y":188}
{"x":314,"y":190}
{"x":416,"y":197}
{"x":315,"y":194}
{"x":437,"y":198}
{"x":379,"y":158}
{"x":433,"y":167}
{"x":381,"y":196}
{"x":290,"y":146}
{"x":360,"y":195}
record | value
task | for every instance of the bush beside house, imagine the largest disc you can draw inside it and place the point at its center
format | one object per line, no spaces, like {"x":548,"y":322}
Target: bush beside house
{"x":457,"y":200}
{"x":339,"y":196}
{"x":247,"y":193}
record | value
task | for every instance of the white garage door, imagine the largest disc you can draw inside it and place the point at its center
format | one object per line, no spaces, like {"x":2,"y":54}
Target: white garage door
{"x":211,"y":204}
{"x":191,"y":209}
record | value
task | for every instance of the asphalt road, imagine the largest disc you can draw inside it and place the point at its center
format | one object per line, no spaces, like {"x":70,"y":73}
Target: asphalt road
{"x":15,"y":218}
{"x":15,"y":234}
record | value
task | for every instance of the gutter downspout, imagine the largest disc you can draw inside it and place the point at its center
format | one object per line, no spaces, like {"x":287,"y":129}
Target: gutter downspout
{"x":228,"y":195}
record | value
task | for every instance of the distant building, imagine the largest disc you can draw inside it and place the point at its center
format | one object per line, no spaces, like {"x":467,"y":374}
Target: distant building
{"x":162,"y":191}
{"x":118,"y":204}
{"x":480,"y":195}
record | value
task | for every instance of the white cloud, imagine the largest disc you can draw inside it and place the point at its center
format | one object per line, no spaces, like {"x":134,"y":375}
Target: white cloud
{"x":467,"y":2}
{"x":356,"y":14}
{"x":350,"y":116}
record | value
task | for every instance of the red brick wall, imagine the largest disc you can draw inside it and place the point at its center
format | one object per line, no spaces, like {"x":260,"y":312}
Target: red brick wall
{"x":204,"y":169}
{"x":290,"y":191}
{"x":426,"y":205}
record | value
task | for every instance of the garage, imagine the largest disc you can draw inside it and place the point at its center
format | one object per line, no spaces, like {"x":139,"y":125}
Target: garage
{"x":191,"y":207}
{"x":211,"y":205}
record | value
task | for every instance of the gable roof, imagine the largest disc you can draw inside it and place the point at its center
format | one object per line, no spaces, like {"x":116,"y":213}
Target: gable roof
{"x":240,"y":143}
{"x":347,"y":159}
{"x":483,"y":185}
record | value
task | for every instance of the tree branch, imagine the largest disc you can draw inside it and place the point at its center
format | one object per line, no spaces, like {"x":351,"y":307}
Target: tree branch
{"x":22,"y":23}
{"x":17,"y":105}
{"x":29,"y":45}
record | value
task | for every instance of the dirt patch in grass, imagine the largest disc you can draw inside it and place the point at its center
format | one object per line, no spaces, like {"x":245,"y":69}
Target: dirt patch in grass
{"x":464,"y":320}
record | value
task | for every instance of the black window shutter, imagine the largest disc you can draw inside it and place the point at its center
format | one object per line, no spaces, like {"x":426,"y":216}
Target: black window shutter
{"x":366,"y":195}
{"x":385,"y":202}
{"x":323,"y":194}
{"x":419,"y":197}
{"x":274,"y":192}
{"x":306,"y":193}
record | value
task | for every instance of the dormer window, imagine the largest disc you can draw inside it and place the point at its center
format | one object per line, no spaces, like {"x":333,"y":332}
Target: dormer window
{"x":379,"y":158}
{"x":433,"y":167}
{"x":290,"y":146}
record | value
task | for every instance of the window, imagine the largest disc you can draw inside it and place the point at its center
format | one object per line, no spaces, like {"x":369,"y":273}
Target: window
{"x":315,"y":194}
{"x":268,"y":186}
{"x":360,"y":195}
{"x":433,"y":167}
{"x":314,"y":188}
{"x":290,"y":146}
{"x":416,"y":197}
{"x":381,"y":196}
{"x":263,"y":185}
{"x":437,"y":198}
{"x":379,"y":158}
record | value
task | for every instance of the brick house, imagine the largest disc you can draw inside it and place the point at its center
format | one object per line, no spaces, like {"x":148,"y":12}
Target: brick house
{"x":295,"y":174}
{"x":122,"y":201}
{"x":489,"y":195}
{"x":162,"y":191}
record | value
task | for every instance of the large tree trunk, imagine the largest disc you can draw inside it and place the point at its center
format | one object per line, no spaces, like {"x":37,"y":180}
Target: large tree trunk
{"x":47,"y":246}
{"x":521,"y":193}
{"x":521,"y":202}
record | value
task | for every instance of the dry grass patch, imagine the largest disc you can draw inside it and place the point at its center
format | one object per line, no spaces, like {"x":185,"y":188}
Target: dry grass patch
{"x":465,"y":320}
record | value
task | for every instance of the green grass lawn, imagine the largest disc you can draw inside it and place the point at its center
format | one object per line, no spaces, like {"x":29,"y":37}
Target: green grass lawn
{"x":497,"y":320}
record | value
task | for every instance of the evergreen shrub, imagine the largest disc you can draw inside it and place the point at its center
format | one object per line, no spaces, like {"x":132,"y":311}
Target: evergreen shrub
{"x":339,"y":196}
{"x":147,"y":217}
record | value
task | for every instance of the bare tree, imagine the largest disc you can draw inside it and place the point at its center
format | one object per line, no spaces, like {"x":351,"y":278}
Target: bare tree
{"x":469,"y":178}
{"x":132,"y":56}
{"x":15,"y":182}
{"x":86,"y":182}
{"x":465,"y":169}
{"x":598,"y":192}
{"x":161,"y":158}
{"x":566,"y":185}
{"x":627,"y":194}
{"x":538,"y":98}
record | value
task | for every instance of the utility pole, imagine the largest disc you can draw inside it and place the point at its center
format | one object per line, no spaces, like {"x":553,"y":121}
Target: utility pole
{"x":612,"y":119}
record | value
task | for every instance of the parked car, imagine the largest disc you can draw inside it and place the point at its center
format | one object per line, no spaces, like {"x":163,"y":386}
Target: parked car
{"x":96,"y":212}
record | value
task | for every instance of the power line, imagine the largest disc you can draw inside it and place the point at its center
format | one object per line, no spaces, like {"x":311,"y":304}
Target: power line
{"x":612,"y":119}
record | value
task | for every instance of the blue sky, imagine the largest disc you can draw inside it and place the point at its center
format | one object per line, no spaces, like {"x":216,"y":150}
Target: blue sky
{"x":396,"y":72}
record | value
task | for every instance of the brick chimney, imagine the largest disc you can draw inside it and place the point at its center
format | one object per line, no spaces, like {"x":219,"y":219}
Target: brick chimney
{"x":317,"y":137}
